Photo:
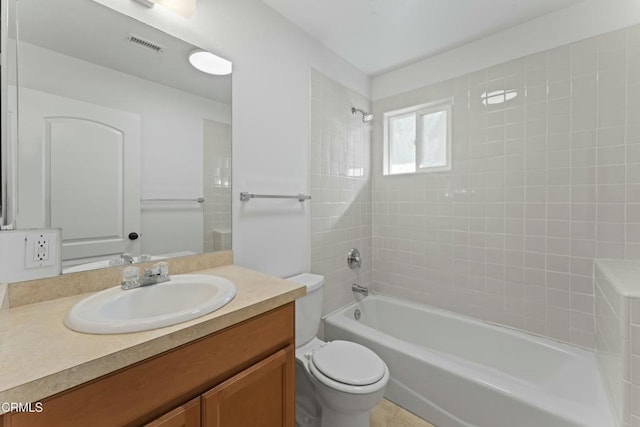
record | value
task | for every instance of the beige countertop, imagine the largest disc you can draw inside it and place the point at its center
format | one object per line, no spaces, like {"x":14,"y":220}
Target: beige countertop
{"x":40,"y":356}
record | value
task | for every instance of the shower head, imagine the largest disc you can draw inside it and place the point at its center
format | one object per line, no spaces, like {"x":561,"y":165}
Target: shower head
{"x":366,"y":117}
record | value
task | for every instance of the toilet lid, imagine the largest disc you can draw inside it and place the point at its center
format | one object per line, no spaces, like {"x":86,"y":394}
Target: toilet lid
{"x":348,"y":363}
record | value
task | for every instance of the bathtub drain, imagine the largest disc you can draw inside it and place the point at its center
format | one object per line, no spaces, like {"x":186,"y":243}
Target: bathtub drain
{"x":356,"y":314}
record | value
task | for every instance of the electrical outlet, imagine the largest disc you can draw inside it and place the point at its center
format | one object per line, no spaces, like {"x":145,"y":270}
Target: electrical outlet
{"x":38,"y":250}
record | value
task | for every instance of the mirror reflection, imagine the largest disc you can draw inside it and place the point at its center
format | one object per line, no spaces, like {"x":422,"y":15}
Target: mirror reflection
{"x":121,"y":143}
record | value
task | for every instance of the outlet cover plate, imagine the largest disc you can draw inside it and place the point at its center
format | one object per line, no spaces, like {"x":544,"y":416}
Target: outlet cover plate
{"x":38,"y":248}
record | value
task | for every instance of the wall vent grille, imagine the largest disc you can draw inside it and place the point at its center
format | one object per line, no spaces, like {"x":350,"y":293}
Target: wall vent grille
{"x":138,"y":41}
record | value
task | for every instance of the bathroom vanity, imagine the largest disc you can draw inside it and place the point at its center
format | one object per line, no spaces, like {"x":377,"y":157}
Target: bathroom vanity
{"x":233,"y":367}
{"x":242,"y":375}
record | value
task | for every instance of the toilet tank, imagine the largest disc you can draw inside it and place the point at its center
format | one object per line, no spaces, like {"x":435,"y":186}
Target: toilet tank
{"x":309,"y":307}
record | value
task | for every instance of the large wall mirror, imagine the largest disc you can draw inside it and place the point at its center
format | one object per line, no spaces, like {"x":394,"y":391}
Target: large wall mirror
{"x":120,"y":142}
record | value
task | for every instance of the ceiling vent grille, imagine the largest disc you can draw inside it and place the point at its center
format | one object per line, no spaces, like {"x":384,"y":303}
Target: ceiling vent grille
{"x":146,"y":44}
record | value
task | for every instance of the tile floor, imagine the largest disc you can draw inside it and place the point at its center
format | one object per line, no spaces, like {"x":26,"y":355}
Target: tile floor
{"x":388,"y":414}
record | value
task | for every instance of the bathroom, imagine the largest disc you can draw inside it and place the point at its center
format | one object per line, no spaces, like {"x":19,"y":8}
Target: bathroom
{"x":538,"y":186}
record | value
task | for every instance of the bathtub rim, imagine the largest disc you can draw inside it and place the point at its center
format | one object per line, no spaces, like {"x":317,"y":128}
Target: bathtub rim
{"x":450,"y":313}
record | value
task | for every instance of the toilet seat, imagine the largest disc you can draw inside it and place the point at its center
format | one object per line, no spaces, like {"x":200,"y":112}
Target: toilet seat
{"x":349,"y":367}
{"x":348,"y":363}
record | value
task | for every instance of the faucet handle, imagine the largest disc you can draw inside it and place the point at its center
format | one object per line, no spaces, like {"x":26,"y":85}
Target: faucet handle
{"x":151,"y":271}
{"x":353,"y":259}
{"x":160,"y":269}
{"x":144,"y":258}
{"x":130,"y":277}
{"x":163,"y":268}
{"x":116,"y":261}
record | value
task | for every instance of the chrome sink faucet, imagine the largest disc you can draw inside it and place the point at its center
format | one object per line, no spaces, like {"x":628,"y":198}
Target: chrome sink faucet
{"x":158,"y":273}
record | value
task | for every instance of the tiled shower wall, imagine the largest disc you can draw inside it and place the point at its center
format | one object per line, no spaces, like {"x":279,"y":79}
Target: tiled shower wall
{"x":618,"y":335}
{"x":340,"y":189}
{"x":541,"y":185}
{"x":613,"y":339}
{"x":217,"y":186}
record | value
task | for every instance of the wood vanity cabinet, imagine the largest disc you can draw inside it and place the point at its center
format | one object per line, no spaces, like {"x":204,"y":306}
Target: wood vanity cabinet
{"x":187,"y":415}
{"x":255,"y":397}
{"x":242,"y":376}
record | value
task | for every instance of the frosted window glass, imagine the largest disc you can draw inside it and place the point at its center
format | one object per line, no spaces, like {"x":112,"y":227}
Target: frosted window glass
{"x":402,"y":150}
{"x":433,"y":139}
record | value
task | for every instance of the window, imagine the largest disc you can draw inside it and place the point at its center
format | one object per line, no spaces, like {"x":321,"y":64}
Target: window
{"x":418,"y":139}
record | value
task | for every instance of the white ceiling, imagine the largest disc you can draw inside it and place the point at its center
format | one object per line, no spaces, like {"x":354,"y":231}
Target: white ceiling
{"x":100,"y":37}
{"x":379,"y":35}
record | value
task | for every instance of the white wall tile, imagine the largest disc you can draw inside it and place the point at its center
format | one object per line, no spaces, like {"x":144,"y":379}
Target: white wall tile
{"x":341,"y":209}
{"x":539,"y":188}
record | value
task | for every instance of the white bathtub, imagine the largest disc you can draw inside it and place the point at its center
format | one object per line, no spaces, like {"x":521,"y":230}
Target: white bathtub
{"x":458,"y":372}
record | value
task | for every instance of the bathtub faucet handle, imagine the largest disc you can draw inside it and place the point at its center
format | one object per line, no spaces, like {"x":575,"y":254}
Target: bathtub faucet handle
{"x":353,"y":259}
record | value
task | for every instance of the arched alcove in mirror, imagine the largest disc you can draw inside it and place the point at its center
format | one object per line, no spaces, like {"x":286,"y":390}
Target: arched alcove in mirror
{"x":122,"y":143}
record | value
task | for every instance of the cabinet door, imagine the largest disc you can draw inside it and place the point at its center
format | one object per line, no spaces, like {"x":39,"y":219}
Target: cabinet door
{"x":187,"y":415}
{"x":261,"y":395}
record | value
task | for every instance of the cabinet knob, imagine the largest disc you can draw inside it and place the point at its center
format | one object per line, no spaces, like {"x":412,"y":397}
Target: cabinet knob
{"x":133,"y":236}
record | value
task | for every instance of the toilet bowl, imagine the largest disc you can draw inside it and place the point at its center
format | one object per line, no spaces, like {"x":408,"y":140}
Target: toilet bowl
{"x":338,"y":383}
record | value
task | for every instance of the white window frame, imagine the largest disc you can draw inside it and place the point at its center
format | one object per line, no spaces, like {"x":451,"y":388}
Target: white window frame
{"x":445,"y":105}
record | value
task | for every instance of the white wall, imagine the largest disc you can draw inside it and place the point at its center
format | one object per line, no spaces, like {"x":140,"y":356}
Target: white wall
{"x":584,"y":19}
{"x":271,"y":62}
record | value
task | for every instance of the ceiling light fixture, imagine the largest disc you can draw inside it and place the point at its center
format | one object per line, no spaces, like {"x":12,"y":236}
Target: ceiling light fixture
{"x":184,"y":8}
{"x":209,"y":63}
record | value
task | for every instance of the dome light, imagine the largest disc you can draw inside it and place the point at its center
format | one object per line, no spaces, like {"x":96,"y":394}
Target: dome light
{"x":209,"y":63}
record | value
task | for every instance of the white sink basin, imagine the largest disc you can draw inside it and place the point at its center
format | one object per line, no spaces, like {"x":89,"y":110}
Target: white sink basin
{"x":184,"y":297}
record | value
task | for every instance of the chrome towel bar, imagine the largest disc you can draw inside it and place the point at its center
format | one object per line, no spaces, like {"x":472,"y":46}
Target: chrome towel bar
{"x":244,"y":196}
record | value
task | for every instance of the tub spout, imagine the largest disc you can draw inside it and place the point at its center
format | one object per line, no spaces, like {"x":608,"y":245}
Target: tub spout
{"x":360,"y":289}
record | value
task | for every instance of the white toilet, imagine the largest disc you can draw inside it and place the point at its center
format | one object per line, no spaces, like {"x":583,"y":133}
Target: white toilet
{"x":337,"y":383}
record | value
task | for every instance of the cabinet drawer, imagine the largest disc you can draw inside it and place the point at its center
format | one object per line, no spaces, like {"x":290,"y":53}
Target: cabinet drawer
{"x":144,"y":391}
